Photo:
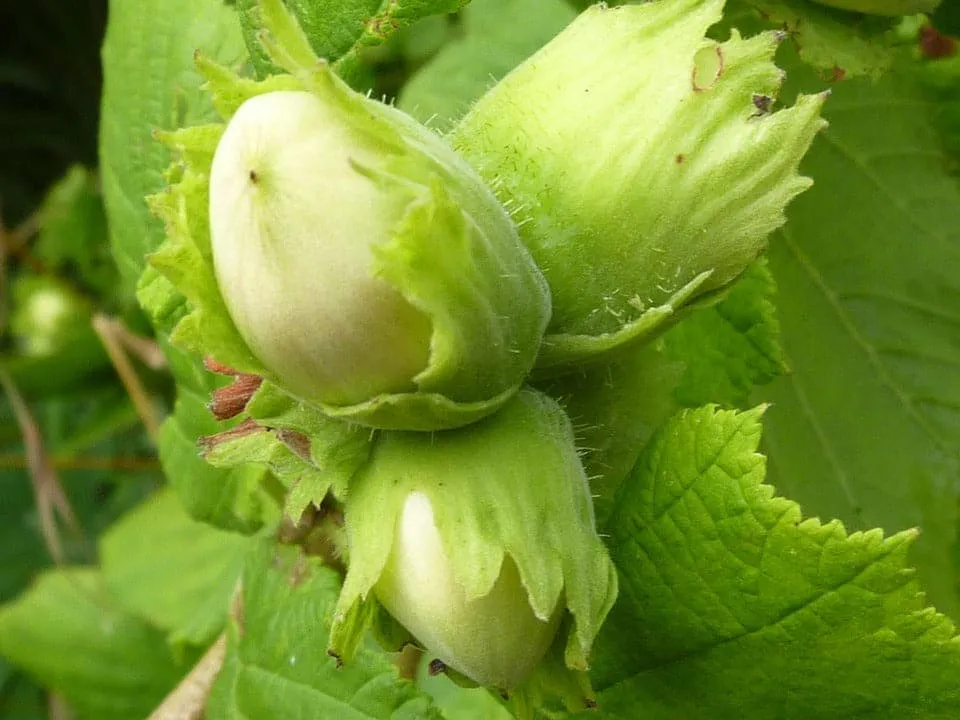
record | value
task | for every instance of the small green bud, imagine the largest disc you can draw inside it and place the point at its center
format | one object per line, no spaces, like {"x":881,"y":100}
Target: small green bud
{"x":883,"y":7}
{"x":480,"y":541}
{"x":495,"y":640}
{"x":46,"y":315}
{"x":645,"y":162}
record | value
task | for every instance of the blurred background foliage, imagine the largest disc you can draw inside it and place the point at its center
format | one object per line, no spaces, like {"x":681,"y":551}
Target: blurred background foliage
{"x":63,"y":410}
{"x":76,"y":447}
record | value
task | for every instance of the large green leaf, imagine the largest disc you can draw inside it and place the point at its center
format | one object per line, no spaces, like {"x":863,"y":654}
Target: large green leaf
{"x":171,"y":570}
{"x":100,"y":426}
{"x":149,"y":83}
{"x":340,"y":30}
{"x":67,"y":633}
{"x":867,"y":427}
{"x":234,"y":499}
{"x":277,"y":664}
{"x":731,"y":347}
{"x":734,"y":606}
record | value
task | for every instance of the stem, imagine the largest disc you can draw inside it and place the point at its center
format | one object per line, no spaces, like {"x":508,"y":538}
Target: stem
{"x":114,"y":337}
{"x":50,"y":497}
{"x":188,"y":700}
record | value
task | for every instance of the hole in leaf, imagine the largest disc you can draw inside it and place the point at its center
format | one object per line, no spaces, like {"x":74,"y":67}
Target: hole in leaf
{"x":707,"y":67}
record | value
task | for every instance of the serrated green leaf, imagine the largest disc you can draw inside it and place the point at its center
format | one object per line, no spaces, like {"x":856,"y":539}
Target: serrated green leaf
{"x":66,"y":632}
{"x":867,"y":427}
{"x":305,"y":482}
{"x":235,"y":499}
{"x":731,"y":347}
{"x":186,"y":587}
{"x":277,"y":664}
{"x":150,"y":84}
{"x":338,"y":30}
{"x":497,"y":36}
{"x":458,"y":703}
{"x":322,"y":457}
{"x":734,"y":606}
{"x":839,"y":44}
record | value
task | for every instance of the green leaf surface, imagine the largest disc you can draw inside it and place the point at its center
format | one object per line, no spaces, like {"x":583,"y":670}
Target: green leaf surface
{"x":837,"y":43}
{"x":277,"y":664}
{"x":66,"y":632}
{"x":340,"y":30}
{"x":69,"y":426}
{"x":176,"y":573}
{"x":20,"y":697}
{"x":309,"y":453}
{"x":867,"y":427}
{"x":731,"y":347}
{"x":941,"y":83}
{"x":497,"y":36}
{"x":947,"y":18}
{"x":231,"y":499}
{"x":73,"y":231}
{"x":734,"y":606}
{"x":150,"y":84}
{"x":459,"y":703}
{"x":893,"y":8}
{"x":234,"y":498}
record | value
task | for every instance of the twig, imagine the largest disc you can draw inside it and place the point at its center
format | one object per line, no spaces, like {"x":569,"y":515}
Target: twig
{"x":408,"y":660}
{"x":50,"y":498}
{"x":188,"y":700}
{"x":142,"y":347}
{"x":106,"y":329}
{"x":57,"y":708}
{"x":13,"y":243}
{"x":15,"y":240}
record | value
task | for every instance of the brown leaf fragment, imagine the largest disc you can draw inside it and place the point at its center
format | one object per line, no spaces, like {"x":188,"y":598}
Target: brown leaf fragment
{"x":247,"y":427}
{"x":230,"y":401}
